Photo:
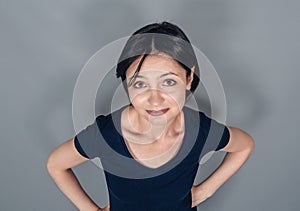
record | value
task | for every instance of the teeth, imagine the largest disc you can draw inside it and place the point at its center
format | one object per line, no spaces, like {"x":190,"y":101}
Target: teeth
{"x":157,"y":113}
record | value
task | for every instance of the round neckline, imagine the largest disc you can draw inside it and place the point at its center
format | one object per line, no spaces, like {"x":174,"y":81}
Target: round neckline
{"x":173,"y":159}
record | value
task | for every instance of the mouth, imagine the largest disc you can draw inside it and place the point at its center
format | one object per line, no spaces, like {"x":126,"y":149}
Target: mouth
{"x":157,"y":112}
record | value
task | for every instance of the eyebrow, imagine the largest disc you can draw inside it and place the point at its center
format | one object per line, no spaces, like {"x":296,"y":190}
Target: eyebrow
{"x":163,"y":75}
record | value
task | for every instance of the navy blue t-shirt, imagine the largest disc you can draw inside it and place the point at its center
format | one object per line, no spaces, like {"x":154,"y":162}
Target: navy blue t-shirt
{"x":135,"y":187}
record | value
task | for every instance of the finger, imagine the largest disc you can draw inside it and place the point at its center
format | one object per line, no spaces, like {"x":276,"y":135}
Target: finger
{"x":194,"y":204}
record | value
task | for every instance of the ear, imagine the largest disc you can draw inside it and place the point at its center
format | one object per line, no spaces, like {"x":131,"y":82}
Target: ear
{"x":190,"y":79}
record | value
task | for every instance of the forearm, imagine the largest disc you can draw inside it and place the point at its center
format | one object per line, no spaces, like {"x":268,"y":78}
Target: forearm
{"x":70,"y":186}
{"x":230,"y":165}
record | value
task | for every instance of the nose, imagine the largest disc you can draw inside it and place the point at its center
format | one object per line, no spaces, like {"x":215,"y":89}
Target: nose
{"x":156,"y":98}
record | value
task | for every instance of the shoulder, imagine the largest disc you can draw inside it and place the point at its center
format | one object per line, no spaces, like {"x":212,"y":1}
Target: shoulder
{"x":197,"y":116}
{"x":110,"y":124}
{"x":104,"y":120}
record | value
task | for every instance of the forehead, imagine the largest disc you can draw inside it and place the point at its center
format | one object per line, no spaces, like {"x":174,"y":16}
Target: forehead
{"x":156,"y":62}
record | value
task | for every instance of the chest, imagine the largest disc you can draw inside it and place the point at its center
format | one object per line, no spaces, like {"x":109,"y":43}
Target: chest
{"x":172,"y":185}
{"x":154,"y":153}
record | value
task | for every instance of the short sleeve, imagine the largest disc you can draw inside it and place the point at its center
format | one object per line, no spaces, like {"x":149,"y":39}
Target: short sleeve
{"x":87,"y":141}
{"x":217,"y":134}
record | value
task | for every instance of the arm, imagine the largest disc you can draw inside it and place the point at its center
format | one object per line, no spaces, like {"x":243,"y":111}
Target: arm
{"x":239,"y":148}
{"x":59,"y":165}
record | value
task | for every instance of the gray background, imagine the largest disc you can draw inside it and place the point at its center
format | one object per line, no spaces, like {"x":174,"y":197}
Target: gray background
{"x":254,"y":46}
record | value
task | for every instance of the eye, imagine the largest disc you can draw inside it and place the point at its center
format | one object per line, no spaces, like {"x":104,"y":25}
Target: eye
{"x":139,"y":84}
{"x":169,"y":82}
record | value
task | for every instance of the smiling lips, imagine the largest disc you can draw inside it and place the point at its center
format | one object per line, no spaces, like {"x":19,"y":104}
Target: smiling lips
{"x":157,"y":113}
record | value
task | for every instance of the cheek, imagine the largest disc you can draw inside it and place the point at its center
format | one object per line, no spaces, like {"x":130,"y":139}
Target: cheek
{"x":176,"y":93}
{"x":177,"y":98}
{"x":136,"y":95}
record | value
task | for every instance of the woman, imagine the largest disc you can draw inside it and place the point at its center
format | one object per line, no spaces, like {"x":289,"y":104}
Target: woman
{"x":156,"y":141}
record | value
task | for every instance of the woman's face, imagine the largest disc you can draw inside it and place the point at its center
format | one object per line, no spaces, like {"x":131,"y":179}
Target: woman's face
{"x":159,"y":88}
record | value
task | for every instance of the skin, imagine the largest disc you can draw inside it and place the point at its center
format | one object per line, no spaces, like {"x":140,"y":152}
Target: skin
{"x":161,"y":84}
{"x":162,"y":134}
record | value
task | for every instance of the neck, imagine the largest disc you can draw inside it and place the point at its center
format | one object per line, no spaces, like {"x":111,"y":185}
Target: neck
{"x":155,"y":129}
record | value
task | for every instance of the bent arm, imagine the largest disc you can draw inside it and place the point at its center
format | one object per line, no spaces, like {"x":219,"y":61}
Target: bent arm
{"x":59,"y":165}
{"x":239,"y":148}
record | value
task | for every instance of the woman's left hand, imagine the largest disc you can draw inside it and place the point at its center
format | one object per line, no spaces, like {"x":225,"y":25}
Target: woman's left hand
{"x":199,"y":194}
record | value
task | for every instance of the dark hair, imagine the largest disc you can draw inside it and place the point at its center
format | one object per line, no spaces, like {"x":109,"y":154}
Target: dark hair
{"x":156,"y":38}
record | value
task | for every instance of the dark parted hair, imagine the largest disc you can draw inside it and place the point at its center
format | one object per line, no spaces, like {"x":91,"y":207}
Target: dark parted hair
{"x":157,"y":38}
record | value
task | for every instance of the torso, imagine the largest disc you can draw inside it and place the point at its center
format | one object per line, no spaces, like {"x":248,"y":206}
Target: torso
{"x":150,"y":153}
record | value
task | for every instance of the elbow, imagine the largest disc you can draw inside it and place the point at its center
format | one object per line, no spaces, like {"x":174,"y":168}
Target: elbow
{"x":250,"y":145}
{"x":52,"y":164}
